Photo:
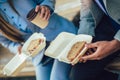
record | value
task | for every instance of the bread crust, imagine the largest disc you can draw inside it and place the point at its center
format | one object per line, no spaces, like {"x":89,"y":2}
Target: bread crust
{"x":75,"y":50}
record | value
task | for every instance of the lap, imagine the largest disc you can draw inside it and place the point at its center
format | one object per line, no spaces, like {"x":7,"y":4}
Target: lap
{"x":43,"y":71}
{"x":53,"y":70}
{"x":60,"y":71}
{"x":91,"y":69}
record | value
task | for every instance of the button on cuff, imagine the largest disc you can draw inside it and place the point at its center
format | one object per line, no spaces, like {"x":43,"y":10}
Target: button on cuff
{"x":19,"y":24}
{"x":4,"y":9}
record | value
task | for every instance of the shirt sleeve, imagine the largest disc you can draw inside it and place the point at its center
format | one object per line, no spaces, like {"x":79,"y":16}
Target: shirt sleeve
{"x":49,"y":3}
{"x":87,"y":24}
{"x":90,"y":16}
{"x":2,"y":1}
{"x":10,"y":45}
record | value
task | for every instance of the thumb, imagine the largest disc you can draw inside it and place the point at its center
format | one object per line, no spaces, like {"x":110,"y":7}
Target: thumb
{"x":37,"y":8}
{"x":91,"y":45}
{"x":19,"y":49}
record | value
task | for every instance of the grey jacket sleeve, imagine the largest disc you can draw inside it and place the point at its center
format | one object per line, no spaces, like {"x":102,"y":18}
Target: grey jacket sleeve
{"x":90,"y":15}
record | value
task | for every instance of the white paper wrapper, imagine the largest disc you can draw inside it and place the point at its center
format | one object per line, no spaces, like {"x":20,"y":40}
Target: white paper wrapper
{"x":60,"y":47}
{"x":18,"y":61}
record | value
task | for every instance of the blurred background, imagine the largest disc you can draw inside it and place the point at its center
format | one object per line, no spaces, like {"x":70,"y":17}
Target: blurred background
{"x":65,"y":8}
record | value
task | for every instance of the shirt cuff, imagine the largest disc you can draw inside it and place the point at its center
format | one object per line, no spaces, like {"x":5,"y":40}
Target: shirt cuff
{"x":50,"y":4}
{"x":117,"y":35}
{"x":13,"y":47}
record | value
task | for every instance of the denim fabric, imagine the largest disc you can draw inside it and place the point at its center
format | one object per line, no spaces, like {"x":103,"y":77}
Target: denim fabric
{"x":54,"y":70}
{"x":60,"y":71}
{"x":56,"y":24}
{"x":43,"y":72}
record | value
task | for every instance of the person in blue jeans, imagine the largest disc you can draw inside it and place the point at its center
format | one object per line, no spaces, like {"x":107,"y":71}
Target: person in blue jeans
{"x":15,"y":29}
{"x":100,"y":19}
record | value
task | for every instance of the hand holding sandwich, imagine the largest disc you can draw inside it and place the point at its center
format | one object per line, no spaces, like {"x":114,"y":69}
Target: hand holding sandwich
{"x":19,"y":49}
{"x":103,"y":49}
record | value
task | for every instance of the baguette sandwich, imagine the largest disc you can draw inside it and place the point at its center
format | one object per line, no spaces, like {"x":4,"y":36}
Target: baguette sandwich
{"x":34,"y":45}
{"x":76,"y":50}
{"x":31,"y":47}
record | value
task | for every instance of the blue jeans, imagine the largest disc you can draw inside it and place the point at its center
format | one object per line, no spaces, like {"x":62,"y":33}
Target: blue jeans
{"x":43,"y":72}
{"x":60,"y":71}
{"x":54,"y":70}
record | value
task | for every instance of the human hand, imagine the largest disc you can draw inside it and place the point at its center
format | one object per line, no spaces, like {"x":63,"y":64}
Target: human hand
{"x":44,"y":11}
{"x":19,"y":49}
{"x":103,"y":49}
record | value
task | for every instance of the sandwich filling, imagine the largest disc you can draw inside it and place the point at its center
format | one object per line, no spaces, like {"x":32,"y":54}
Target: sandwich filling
{"x":34,"y":45}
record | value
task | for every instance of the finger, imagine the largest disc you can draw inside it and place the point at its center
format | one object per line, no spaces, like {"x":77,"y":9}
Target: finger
{"x":84,"y":61}
{"x":94,"y":49}
{"x":37,"y":8}
{"x":91,"y":45}
{"x":72,"y":64}
{"x":89,"y":57}
{"x":94,"y":56}
{"x":19,"y":52}
{"x":80,"y":60}
{"x":87,"y":53}
{"x":48,"y":17}
{"x":90,"y":51}
{"x":42,"y":12}
{"x":19,"y":49}
{"x":47,"y":13}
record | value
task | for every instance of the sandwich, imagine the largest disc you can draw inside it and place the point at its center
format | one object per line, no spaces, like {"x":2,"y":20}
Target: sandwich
{"x":31,"y":48}
{"x":76,"y":50}
{"x":68,"y":47}
{"x":34,"y":44}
